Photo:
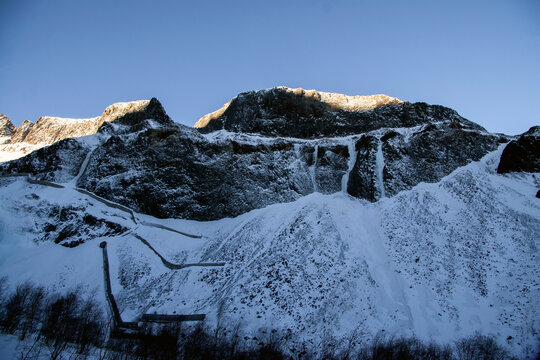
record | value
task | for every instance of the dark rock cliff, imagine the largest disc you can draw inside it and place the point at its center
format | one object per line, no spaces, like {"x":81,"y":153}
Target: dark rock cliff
{"x":58,"y":162}
{"x":155,"y":166}
{"x":522,"y":154}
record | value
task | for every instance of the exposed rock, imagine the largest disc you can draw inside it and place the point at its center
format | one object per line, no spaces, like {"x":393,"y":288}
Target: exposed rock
{"x":167,"y":170}
{"x":429,"y":154}
{"x":363,"y":177}
{"x":133,"y":112}
{"x":6,"y":127}
{"x":309,"y":114}
{"x":21,"y":132}
{"x":48,"y":130}
{"x":73,"y":226}
{"x":522,"y":154}
{"x":126,"y":116}
{"x":173,"y":172}
{"x":58,"y":162}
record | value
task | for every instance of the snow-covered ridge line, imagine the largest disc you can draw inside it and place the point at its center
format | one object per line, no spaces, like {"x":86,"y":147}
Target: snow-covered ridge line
{"x":49,"y":130}
{"x":252,"y":138}
{"x":333,"y":101}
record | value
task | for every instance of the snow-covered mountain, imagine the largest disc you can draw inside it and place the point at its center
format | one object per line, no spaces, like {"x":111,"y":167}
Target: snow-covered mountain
{"x":49,"y":129}
{"x":332,"y":214}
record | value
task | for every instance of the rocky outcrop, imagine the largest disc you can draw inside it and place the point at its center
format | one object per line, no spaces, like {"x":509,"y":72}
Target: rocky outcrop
{"x":310,"y":114}
{"x":48,"y":130}
{"x":21,"y":132}
{"x":58,"y":162}
{"x":135,"y":112}
{"x":115,"y":118}
{"x":72,"y":226}
{"x":6,"y":129}
{"x":432,"y":152}
{"x":522,"y":154}
{"x":154,"y":166}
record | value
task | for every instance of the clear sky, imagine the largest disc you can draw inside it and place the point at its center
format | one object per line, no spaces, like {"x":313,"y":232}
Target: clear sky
{"x":72,"y":58}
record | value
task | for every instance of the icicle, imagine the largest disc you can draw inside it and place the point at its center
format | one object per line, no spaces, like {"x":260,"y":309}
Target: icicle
{"x":83,"y":167}
{"x":352,"y":160}
{"x":313,"y":168}
{"x":297,"y":152}
{"x":379,"y":166}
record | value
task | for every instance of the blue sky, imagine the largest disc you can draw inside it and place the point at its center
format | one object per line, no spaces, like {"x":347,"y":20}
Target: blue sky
{"x":72,"y":58}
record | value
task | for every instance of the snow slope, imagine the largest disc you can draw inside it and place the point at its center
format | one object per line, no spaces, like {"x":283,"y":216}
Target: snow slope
{"x":440,"y":261}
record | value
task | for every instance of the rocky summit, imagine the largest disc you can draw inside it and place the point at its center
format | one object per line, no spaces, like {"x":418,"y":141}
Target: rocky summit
{"x":310,"y":114}
{"x":49,"y":129}
{"x":6,"y":129}
{"x":310,"y":215}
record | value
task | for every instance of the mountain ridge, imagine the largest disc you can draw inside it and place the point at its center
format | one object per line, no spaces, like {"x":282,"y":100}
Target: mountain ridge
{"x":146,"y":161}
{"x":285,"y":112}
{"x":407,"y":230}
{"x":176,"y":172}
{"x":48,"y":130}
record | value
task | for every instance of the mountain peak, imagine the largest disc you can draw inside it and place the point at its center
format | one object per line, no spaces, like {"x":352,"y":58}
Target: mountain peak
{"x":50,"y":129}
{"x":128,"y":113}
{"x":6,"y":127}
{"x":286,"y":112}
{"x":333,"y":101}
{"x":343,"y":102}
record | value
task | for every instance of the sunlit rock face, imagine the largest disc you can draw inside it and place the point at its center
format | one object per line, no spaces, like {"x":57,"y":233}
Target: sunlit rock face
{"x":133,"y":115}
{"x":22,"y":131}
{"x":6,"y":129}
{"x":310,"y":114}
{"x":49,"y":129}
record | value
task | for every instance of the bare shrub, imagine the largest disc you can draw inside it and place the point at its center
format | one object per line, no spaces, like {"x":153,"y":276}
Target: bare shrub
{"x":197,"y":343}
{"x":32,"y":309}
{"x":389,"y":348}
{"x":90,"y":325}
{"x":480,"y":347}
{"x":22,"y":309}
{"x":158,"y":344}
{"x":3,"y":289}
{"x":60,"y":316}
